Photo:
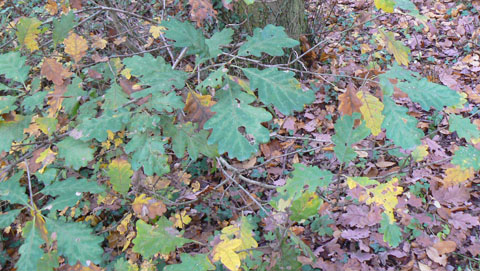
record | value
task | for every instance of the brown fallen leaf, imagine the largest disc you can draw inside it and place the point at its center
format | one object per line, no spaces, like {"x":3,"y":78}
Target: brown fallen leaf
{"x":54,"y":71}
{"x":444,"y":247}
{"x":435,"y":256}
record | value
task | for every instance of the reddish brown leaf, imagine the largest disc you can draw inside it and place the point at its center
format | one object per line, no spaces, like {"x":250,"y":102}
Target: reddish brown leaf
{"x":201,"y":10}
{"x":55,"y":99}
{"x":444,"y":247}
{"x":197,"y":108}
{"x":54,"y":71}
{"x":349,"y":102}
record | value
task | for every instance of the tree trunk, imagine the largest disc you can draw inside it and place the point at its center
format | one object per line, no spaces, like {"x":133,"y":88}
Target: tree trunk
{"x":287,"y":13}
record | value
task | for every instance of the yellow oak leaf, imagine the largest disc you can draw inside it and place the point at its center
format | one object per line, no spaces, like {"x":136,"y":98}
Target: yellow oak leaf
{"x":371,"y":110}
{"x":399,"y":51}
{"x":27,"y":32}
{"x":385,"y":5}
{"x":243,"y":231}
{"x":156,"y":31}
{"x":46,"y":158}
{"x":456,"y":175}
{"x":123,"y":227}
{"x":181,"y":219}
{"x":420,"y":152}
{"x":225,"y":252}
{"x":51,"y":7}
{"x":120,"y":173}
{"x":76,"y":46}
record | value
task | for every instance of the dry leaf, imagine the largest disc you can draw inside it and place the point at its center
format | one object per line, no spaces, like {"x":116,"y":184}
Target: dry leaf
{"x":54,"y":71}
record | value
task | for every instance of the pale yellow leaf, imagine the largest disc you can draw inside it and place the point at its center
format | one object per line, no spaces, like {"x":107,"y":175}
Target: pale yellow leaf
{"x":456,"y":175}
{"x":156,"y":30}
{"x":76,"y":46}
{"x":385,"y":5}
{"x":371,"y":110}
{"x":225,"y":252}
{"x":46,"y":158}
{"x":420,"y":152}
{"x":399,"y":51}
{"x":181,"y":219}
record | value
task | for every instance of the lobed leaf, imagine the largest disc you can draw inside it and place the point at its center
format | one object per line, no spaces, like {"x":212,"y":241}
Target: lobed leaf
{"x":271,"y":40}
{"x":346,"y":135}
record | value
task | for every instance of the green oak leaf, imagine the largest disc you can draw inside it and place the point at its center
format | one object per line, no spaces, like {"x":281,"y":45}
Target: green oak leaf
{"x":12,"y":65}
{"x":429,"y":94}
{"x":400,"y":127}
{"x":115,"y":98}
{"x":10,"y":190}
{"x":7,"y":104}
{"x":162,"y":102}
{"x":199,"y":262}
{"x":13,"y":131}
{"x":76,"y":242}
{"x":98,"y":127}
{"x":76,"y":153}
{"x":467,"y":157}
{"x":418,"y":89}
{"x":218,"y":39}
{"x":463,"y":127}
{"x":68,"y":192}
{"x":391,"y":232}
{"x":305,"y":206}
{"x":148,"y":152}
{"x":30,"y":251}
{"x":232,"y":112}
{"x":186,"y":35}
{"x":142,"y":122}
{"x":185,"y":136}
{"x":305,"y":178}
{"x":34,"y":101}
{"x":27,"y":31}
{"x":154,"y":72}
{"x":74,"y":93}
{"x":48,"y":262}
{"x":271,"y":40}
{"x":279,"y":88}
{"x":122,"y":265}
{"x":161,"y":238}
{"x":62,"y":26}
{"x":7,"y":218}
{"x":346,"y":135}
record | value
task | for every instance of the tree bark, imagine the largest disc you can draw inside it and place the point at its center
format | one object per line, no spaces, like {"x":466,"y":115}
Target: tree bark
{"x":287,"y":13}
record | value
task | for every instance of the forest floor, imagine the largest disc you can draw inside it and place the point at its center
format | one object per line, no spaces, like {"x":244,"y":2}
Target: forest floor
{"x":440,"y":223}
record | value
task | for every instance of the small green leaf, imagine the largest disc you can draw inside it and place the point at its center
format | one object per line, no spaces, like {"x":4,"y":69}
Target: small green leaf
{"x":148,"y":152}
{"x":185,"y":136}
{"x":30,"y":251}
{"x":162,"y":238}
{"x":280,"y":89}
{"x":199,"y":262}
{"x":7,"y":218}
{"x":47,"y":125}
{"x":232,"y":112}
{"x":467,"y":157}
{"x":77,"y":154}
{"x":214,"y":79}
{"x":154,"y":72}
{"x":76,"y":242}
{"x":400,"y":127}
{"x":305,"y":206}
{"x":185,"y":35}
{"x":13,"y":131}
{"x":391,"y":232}
{"x":346,"y":135}
{"x":27,"y":31}
{"x":12,"y":65}
{"x":62,"y":26}
{"x":218,"y":39}
{"x":10,"y":190}
{"x":463,"y":127}
{"x":122,"y":265}
{"x":120,"y":173}
{"x":305,"y":178}
{"x":270,"y":40}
